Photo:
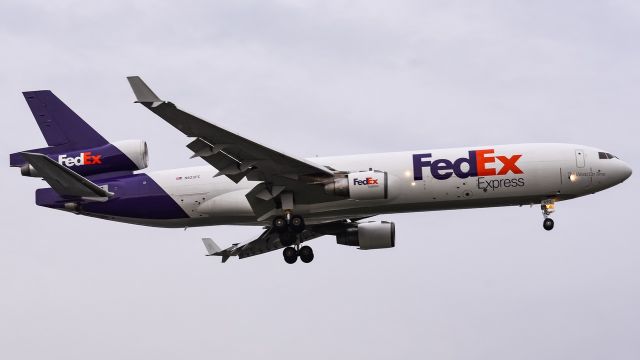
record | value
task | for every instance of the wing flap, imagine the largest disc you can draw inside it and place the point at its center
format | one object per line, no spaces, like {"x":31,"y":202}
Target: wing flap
{"x":217,"y":158}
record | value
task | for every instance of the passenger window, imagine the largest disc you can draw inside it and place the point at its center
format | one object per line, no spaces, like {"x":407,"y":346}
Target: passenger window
{"x":602,"y":155}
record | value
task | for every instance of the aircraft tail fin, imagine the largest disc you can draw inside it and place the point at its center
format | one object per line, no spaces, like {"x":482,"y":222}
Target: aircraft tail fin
{"x":61,"y":127}
{"x":59,"y":124}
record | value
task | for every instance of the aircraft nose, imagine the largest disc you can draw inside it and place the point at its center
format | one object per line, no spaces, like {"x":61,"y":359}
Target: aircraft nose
{"x":623,"y":171}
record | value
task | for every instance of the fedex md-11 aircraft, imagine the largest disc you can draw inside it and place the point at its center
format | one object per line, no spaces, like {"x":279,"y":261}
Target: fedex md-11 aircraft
{"x":294,"y":199}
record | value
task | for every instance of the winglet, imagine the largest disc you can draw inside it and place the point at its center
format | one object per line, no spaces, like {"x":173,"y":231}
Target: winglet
{"x":142,"y":92}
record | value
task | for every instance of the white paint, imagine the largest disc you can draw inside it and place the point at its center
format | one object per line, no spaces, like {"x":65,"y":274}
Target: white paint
{"x":201,"y":194}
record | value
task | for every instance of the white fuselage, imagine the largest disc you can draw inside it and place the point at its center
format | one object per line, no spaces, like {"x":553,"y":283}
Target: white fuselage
{"x":542,"y":171}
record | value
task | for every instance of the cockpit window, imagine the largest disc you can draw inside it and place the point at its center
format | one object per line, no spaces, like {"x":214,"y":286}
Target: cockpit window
{"x":604,"y":155}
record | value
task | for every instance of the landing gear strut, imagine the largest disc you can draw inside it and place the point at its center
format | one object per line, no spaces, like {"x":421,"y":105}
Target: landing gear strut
{"x":288,"y":228}
{"x":281,"y":226}
{"x":548,"y":207}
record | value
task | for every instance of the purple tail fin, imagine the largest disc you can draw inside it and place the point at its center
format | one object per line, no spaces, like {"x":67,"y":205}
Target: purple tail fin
{"x":62,"y":128}
{"x":59,"y":124}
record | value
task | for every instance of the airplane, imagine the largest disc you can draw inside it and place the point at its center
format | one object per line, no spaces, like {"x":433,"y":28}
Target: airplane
{"x":294,"y":199}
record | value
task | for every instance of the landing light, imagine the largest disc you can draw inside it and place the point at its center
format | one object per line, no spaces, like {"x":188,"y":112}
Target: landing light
{"x":573,"y":177}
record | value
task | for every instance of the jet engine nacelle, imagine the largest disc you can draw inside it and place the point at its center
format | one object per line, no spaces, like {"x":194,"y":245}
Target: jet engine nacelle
{"x":126,"y":155}
{"x":370,"y":235}
{"x":361,"y":185}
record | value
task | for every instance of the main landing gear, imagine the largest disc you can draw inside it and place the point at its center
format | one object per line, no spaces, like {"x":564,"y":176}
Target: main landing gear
{"x":548,"y":207}
{"x":291,"y":254}
{"x":288,"y":228}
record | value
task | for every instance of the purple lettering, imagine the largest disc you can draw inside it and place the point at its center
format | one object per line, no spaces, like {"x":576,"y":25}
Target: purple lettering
{"x":418,"y":163}
{"x":473,"y":166}
{"x":439,"y":166}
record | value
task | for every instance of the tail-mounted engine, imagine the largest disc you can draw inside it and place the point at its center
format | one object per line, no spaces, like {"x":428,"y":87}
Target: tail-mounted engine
{"x":361,"y":185}
{"x":127,"y":155}
{"x":370,"y":235}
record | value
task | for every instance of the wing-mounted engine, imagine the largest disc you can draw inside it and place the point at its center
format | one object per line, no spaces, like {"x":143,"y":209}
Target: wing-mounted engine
{"x":360,"y":185}
{"x":369,"y":235}
{"x":127,"y":155}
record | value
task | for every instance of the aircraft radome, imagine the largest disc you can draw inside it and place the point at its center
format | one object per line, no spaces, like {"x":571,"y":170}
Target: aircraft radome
{"x":294,"y":199}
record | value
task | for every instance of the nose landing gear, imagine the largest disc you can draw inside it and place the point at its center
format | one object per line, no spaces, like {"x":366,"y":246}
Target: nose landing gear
{"x":548,"y":207}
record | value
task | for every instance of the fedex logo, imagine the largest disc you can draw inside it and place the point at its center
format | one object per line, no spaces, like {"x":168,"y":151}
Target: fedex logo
{"x":479,"y":163}
{"x":85,"y":158}
{"x":368,"y":181}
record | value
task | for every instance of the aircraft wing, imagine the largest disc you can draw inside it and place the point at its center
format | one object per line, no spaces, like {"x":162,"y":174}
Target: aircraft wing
{"x":266,"y":242}
{"x":269,"y":240}
{"x":237,"y":157}
{"x":231,"y":154}
{"x":63,"y":180}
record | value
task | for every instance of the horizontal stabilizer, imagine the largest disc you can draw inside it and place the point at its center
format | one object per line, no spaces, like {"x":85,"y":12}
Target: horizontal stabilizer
{"x":214,"y":250}
{"x":65,"y":181}
{"x":212,"y":247}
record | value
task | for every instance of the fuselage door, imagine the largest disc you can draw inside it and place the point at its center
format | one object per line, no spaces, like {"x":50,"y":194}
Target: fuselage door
{"x":580,"y":158}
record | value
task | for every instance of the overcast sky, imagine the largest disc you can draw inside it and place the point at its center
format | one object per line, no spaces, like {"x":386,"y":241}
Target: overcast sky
{"x":328,"y":78}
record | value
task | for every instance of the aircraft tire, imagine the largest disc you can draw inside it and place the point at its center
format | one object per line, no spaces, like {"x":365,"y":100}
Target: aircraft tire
{"x":306,"y":254}
{"x":290,"y":255}
{"x":280,"y":224}
{"x":297,"y":224}
{"x":547,"y":224}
